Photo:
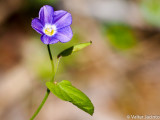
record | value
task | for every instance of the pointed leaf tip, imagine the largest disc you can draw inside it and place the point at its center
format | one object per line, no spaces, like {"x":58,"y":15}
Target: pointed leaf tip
{"x":73,"y":49}
{"x":65,"y":91}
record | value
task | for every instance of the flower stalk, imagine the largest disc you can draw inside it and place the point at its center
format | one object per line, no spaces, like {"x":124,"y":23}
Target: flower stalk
{"x":54,"y":26}
{"x":41,"y":105}
{"x":48,"y":91}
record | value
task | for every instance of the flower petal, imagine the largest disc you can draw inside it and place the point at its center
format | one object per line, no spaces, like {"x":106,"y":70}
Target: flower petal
{"x":46,"y":14}
{"x":64,"y":34}
{"x":37,"y":25}
{"x":62,"y":19}
{"x":48,"y":39}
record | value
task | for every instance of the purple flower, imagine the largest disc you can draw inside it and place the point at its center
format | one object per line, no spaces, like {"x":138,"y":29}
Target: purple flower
{"x":54,"y":26}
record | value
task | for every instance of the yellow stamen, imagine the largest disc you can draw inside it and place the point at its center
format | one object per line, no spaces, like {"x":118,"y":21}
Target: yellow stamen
{"x":49,"y":31}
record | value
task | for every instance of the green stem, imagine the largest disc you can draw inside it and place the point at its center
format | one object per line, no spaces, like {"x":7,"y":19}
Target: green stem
{"x":56,"y":67}
{"x":41,"y":105}
{"x":52,"y":80}
{"x":51,"y":59}
{"x":52,"y":63}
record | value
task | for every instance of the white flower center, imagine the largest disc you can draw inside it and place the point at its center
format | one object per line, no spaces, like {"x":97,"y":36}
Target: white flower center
{"x":49,"y":30}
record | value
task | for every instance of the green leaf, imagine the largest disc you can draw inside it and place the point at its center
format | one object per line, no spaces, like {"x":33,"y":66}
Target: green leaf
{"x":65,"y":91}
{"x":73,"y":49}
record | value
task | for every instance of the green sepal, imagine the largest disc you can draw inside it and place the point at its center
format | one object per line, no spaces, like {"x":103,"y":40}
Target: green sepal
{"x":65,"y":91}
{"x":73,"y":49}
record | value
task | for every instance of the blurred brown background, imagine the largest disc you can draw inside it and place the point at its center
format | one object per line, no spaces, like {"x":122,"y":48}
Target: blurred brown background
{"x":120,"y":71}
